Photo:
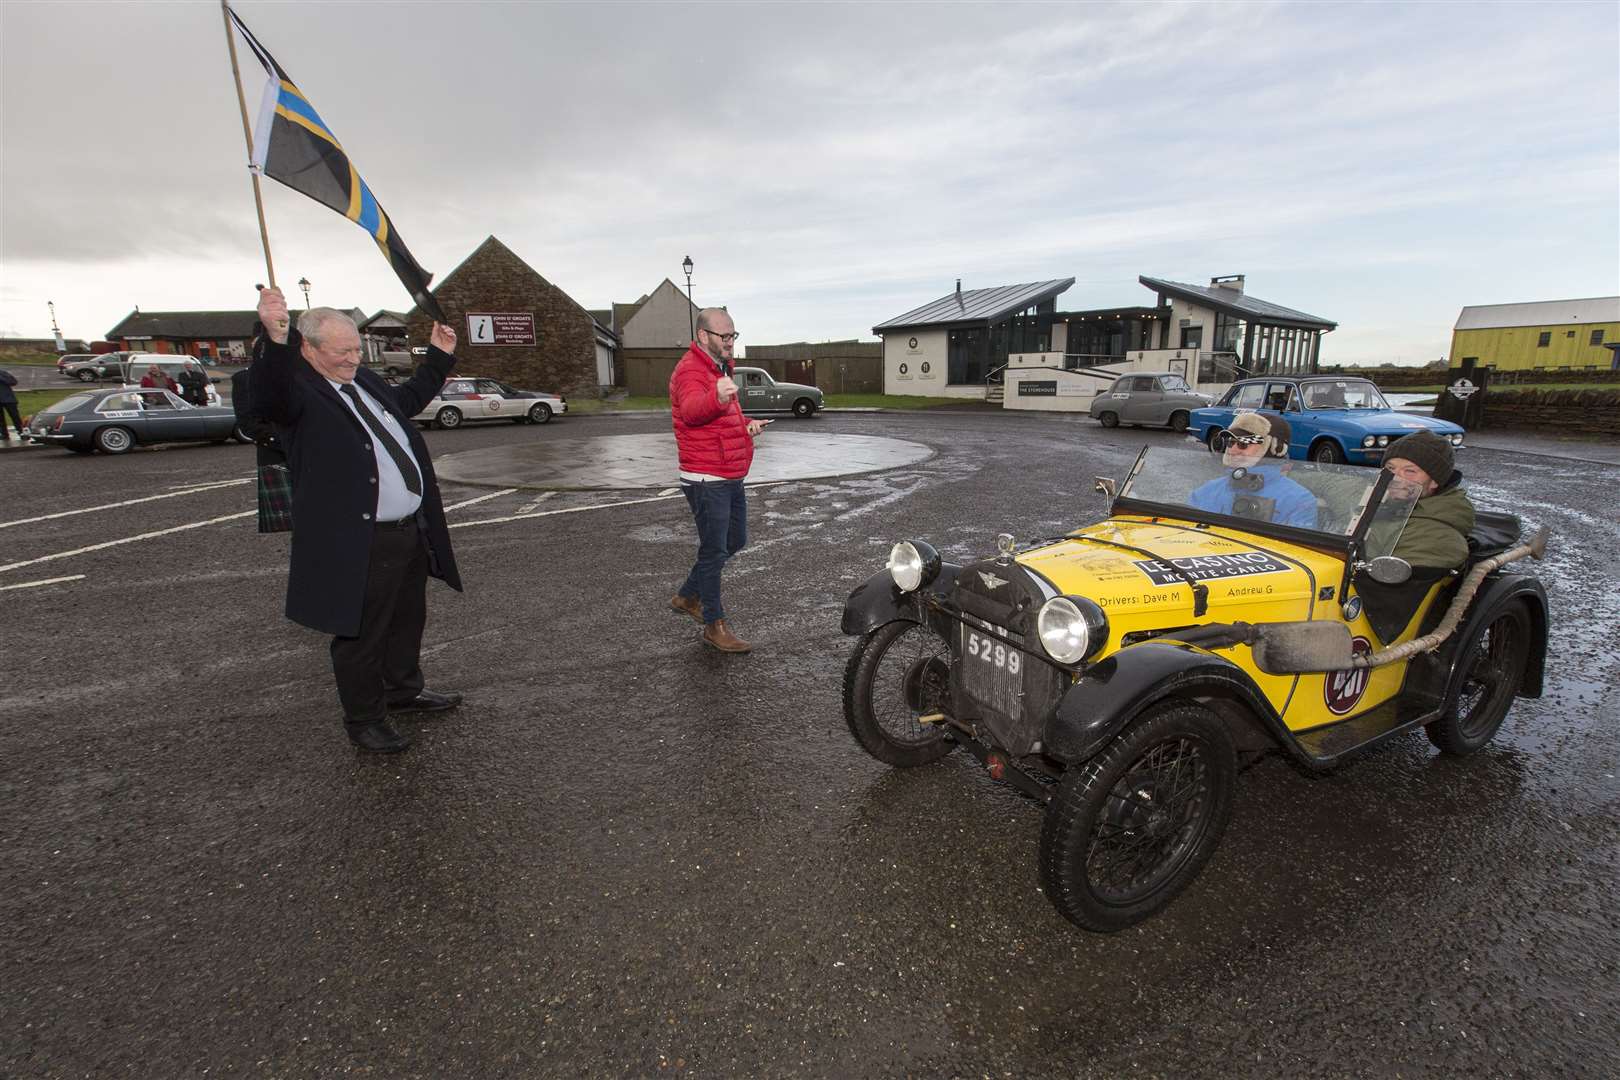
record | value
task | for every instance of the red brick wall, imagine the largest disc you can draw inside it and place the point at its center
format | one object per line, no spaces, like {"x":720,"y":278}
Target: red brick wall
{"x":493,"y":279}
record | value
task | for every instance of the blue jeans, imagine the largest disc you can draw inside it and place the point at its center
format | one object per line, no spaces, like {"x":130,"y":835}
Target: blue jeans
{"x":720,"y":508}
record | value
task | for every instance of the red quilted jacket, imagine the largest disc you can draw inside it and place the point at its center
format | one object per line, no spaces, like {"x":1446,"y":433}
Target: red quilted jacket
{"x":712,"y":438}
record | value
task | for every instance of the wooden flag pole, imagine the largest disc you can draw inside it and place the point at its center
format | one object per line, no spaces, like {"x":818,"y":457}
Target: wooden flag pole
{"x":247,"y":133}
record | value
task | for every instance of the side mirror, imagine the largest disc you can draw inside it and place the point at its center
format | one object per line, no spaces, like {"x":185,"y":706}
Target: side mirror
{"x":1388,"y":570}
{"x":1298,"y":648}
{"x":1104,"y":485}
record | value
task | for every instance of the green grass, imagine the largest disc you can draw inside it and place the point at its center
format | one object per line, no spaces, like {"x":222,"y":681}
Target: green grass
{"x":29,"y":360}
{"x":1504,"y":388}
{"x":31,"y":401}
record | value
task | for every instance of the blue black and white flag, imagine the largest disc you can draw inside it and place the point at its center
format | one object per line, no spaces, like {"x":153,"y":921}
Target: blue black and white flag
{"x":292,"y":144}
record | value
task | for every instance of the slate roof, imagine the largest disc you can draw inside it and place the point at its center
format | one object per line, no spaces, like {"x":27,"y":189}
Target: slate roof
{"x":1232,"y":302}
{"x":384,"y":313}
{"x":185,"y":324}
{"x":1597,"y":309}
{"x":977,"y":305}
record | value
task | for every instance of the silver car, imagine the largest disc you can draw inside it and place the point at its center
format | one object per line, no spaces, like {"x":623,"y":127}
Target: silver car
{"x":762,"y":393}
{"x":1160,"y":398}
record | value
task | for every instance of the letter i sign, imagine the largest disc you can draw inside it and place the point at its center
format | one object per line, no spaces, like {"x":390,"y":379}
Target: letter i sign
{"x":481,"y":329}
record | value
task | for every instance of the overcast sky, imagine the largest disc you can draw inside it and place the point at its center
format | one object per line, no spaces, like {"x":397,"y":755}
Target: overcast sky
{"x":829,"y":166}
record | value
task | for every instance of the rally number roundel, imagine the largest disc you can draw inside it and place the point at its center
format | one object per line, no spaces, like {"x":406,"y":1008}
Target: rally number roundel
{"x":912,"y":344}
{"x":925,"y":368}
{"x":904,"y":369}
{"x":1342,"y":689}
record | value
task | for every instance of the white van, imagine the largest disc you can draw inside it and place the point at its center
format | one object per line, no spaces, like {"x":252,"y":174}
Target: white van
{"x":138,"y":364}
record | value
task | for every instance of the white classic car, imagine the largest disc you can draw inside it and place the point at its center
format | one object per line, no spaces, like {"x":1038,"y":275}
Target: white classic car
{"x":468,"y":397}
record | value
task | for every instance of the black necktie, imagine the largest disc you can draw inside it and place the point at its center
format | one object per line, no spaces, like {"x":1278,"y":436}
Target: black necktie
{"x":407,"y":467}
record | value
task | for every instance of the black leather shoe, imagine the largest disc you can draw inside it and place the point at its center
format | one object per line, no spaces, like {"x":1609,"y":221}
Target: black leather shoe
{"x":378,"y":738}
{"x":427,"y":701}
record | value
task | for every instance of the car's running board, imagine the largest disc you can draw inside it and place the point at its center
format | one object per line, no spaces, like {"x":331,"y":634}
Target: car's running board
{"x":1330,"y":743}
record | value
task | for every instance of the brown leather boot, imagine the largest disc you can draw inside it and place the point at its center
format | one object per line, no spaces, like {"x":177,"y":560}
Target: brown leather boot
{"x":720,"y":636}
{"x":687,"y":606}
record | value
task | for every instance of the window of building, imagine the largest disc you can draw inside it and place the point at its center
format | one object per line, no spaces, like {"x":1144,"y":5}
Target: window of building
{"x":964,"y":362}
{"x":1192,"y":337}
{"x":1569,"y":333}
{"x":1597,"y":337}
{"x":1228,"y":333}
{"x":1545,"y":339}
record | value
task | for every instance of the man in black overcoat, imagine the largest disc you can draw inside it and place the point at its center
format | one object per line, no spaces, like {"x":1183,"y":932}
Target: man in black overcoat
{"x":368,"y":521}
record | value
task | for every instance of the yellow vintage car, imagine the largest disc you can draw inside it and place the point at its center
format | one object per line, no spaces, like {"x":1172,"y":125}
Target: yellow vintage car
{"x":1114,"y":674}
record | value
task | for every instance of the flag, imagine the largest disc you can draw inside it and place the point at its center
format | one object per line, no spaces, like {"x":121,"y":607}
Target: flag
{"x":292,"y":144}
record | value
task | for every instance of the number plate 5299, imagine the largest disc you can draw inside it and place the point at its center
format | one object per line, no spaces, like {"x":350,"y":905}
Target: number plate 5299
{"x":987,"y":650}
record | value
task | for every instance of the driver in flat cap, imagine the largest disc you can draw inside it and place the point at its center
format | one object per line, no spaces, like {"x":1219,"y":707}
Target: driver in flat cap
{"x":1254,"y":485}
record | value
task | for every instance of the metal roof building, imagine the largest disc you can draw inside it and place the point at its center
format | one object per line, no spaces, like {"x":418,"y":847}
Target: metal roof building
{"x":977,"y":305}
{"x":1547,"y":334}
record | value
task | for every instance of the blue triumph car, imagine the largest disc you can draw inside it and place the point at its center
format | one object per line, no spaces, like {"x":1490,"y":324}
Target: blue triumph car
{"x":1334,"y":419}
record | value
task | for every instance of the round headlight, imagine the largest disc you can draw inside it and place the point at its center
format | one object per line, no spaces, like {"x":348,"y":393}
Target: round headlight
{"x":1456,"y":440}
{"x":913,"y":564}
{"x":1369,"y":441}
{"x":1383,"y":440}
{"x":905,"y":566}
{"x":1065,"y":634}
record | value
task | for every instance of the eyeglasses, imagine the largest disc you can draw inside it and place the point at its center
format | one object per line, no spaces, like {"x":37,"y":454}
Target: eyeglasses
{"x":1244,"y":439}
{"x":733,"y":336}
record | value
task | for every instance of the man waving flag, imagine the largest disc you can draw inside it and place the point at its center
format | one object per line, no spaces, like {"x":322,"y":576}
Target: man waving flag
{"x":292,"y":144}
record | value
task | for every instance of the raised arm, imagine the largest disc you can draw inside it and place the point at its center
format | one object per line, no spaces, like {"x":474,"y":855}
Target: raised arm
{"x":413,"y":395}
{"x":695,"y":402}
{"x":270,"y":376}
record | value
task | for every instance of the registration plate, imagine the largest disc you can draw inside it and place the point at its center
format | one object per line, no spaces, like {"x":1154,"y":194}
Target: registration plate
{"x":993,"y":671}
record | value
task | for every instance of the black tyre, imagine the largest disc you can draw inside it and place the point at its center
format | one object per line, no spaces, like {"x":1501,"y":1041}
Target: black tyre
{"x":114,"y":440}
{"x":1178,"y":420}
{"x":1108,"y":419}
{"x":804,"y":408}
{"x":540,"y":413}
{"x":240,"y":436}
{"x":1327,"y":452}
{"x":1130,"y":828}
{"x":897,"y":673}
{"x":1492,"y":670}
{"x":448,"y":417}
{"x":86,"y":375}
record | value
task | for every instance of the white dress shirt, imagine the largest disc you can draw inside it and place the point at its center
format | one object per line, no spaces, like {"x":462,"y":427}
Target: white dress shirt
{"x":394,"y":500}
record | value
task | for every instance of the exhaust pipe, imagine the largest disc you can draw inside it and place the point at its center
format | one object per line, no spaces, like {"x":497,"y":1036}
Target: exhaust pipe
{"x":1536,"y":548}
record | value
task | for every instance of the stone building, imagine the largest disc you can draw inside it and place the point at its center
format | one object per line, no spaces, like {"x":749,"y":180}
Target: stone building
{"x":514,"y":325}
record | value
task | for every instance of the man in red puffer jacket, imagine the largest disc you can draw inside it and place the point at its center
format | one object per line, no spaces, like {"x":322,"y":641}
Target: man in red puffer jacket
{"x":716,"y":443}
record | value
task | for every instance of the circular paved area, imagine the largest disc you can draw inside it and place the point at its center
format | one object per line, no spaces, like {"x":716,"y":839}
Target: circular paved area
{"x":645,"y":461}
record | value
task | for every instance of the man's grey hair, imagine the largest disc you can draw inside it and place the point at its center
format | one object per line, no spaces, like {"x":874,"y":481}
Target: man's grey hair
{"x":315,"y":323}
{"x":705,"y":319}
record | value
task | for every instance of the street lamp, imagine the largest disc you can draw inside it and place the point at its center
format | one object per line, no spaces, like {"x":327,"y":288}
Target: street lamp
{"x":56,"y":331}
{"x":691,"y":324}
{"x":303,"y":283}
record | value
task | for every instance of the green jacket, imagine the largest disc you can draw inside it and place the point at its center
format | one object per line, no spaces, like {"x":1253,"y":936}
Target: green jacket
{"x":1437,"y":532}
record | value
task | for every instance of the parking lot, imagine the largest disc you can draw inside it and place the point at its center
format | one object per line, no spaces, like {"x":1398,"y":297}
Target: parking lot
{"x":630,"y":855}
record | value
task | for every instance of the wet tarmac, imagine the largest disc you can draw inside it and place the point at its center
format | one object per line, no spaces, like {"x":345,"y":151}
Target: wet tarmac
{"x":630,"y":856}
{"x":607,"y":462}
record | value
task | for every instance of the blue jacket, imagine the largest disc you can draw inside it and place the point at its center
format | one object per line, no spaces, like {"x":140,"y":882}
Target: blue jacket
{"x":1292,"y":504}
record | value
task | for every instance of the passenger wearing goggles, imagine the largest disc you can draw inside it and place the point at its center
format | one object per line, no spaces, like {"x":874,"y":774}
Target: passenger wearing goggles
{"x":1255,"y":487}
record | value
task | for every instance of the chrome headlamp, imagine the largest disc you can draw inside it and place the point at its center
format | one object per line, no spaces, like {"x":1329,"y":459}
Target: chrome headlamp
{"x":1071,"y":628}
{"x":913,"y":564}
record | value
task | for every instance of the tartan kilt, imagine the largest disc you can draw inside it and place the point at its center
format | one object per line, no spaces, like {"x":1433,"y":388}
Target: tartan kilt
{"x":275,"y":499}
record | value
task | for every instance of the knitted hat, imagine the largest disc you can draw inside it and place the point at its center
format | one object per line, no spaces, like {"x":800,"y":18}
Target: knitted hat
{"x":1428,"y":452}
{"x":1254,"y":423}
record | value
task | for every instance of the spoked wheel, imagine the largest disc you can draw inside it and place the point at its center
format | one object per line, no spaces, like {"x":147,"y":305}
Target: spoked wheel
{"x":1129,"y":829}
{"x":898,"y":673}
{"x":114,"y":440}
{"x":1493,"y":669}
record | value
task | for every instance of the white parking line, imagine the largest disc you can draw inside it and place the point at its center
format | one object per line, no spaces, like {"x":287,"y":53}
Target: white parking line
{"x":479,"y":499}
{"x":548,"y":513}
{"x":538,"y":499}
{"x":127,"y":502}
{"x":127,"y":540}
{"x":46,"y":581}
{"x":668,"y":491}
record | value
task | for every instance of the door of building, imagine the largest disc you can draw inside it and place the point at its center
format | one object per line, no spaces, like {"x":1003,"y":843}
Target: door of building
{"x":801,"y":371}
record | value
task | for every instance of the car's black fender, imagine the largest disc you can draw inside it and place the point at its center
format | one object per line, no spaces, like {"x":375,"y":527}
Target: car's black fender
{"x":1495,"y":593}
{"x":876,"y":601}
{"x":1105,"y":698}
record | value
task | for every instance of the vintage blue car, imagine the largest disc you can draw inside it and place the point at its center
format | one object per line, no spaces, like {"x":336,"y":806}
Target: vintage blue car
{"x":1333,"y":418}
